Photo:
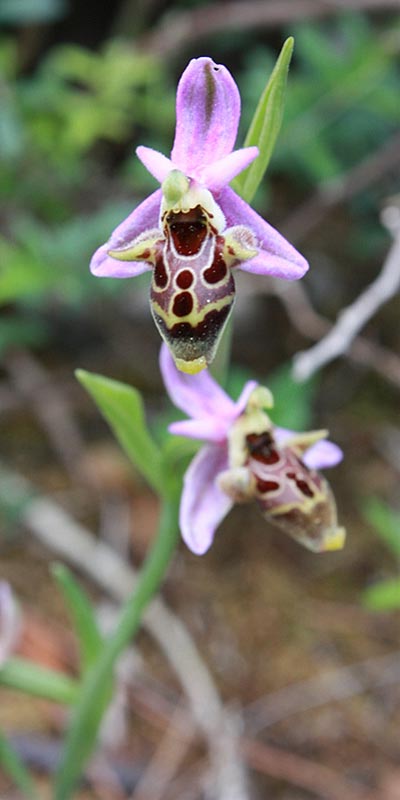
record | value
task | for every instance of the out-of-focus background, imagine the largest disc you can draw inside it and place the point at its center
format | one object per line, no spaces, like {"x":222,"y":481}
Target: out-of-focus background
{"x":307,"y":646}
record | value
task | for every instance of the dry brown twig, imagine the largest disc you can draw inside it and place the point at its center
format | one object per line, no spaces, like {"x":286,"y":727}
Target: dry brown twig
{"x":41,"y":394}
{"x":180,"y":29}
{"x":314,"y":326}
{"x":353,"y":318}
{"x":56,"y":530}
{"x":333,"y":686}
{"x":342,"y":188}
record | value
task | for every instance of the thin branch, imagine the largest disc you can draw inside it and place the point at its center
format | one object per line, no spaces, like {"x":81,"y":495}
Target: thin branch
{"x":303,"y":772}
{"x":313,"y":325}
{"x":56,"y":530}
{"x":180,"y":29}
{"x":166,"y":760}
{"x":353,"y":318}
{"x":329,"y":687}
{"x":41,"y":393}
{"x":341,"y":189}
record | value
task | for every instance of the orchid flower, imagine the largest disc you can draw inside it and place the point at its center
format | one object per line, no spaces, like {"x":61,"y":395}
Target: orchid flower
{"x":193,"y":230}
{"x":246,"y":457}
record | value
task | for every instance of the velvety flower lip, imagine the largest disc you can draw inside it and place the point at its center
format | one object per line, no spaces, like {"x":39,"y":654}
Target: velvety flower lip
{"x":212,"y":416}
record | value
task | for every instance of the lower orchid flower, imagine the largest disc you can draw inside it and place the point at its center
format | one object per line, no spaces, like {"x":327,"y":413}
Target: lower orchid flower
{"x":248,"y":458}
{"x":194,"y":230}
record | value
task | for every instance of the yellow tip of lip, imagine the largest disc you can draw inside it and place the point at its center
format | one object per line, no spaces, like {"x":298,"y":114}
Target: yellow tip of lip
{"x":335,"y":540}
{"x":191,"y":367}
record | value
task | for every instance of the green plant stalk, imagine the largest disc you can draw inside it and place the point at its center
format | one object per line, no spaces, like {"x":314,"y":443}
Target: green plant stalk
{"x":14,"y":767}
{"x":26,"y":676}
{"x":94,"y":695}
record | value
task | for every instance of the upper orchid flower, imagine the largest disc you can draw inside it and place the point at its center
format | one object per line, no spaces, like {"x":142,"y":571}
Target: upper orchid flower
{"x":194,"y":229}
{"x":248,"y":458}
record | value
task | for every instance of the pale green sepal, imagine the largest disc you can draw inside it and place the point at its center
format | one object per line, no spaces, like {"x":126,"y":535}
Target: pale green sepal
{"x":14,"y":767}
{"x":122,"y":407}
{"x":265,"y":125}
{"x":302,"y":441}
{"x":174,"y":187}
{"x":143,"y":248}
{"x":84,"y":620}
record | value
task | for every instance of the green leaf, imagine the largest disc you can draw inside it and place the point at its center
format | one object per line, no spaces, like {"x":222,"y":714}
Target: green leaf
{"x":384,"y":596}
{"x":85,"y":624}
{"x":292,"y":401}
{"x":386,"y":522}
{"x":94,"y":694}
{"x":265,"y":126}
{"x":21,"y":273}
{"x":15,"y":768}
{"x":122,"y":407}
{"x":26,"y":676}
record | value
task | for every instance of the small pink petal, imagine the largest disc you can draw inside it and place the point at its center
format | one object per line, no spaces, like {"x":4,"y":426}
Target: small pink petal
{"x":207,"y":116}
{"x":276,"y":256}
{"x":323,"y":455}
{"x":220,"y":173}
{"x":156,"y":163}
{"x":199,"y":396}
{"x":203,"y":504}
{"x":144,"y":217}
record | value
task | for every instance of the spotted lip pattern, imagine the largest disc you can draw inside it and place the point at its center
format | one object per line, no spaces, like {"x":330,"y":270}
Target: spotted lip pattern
{"x":193,"y":289}
{"x":291,"y":496}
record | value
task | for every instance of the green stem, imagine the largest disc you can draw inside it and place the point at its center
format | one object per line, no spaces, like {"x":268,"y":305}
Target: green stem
{"x":96,"y":688}
{"x":26,"y":676}
{"x":220,"y":366}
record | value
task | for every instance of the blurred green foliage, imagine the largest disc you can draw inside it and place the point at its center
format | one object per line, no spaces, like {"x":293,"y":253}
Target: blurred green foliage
{"x":60,"y":131}
{"x":342,"y":99}
{"x":384,"y":595}
{"x":68,"y":172}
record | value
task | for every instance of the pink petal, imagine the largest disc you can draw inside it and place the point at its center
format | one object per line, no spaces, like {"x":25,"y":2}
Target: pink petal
{"x":207,"y":116}
{"x":220,"y":173}
{"x":156,"y":163}
{"x":203,"y":504}
{"x":144,"y":217}
{"x":207,"y":429}
{"x":321,"y":455}
{"x":199,"y":396}
{"x":276,"y":257}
